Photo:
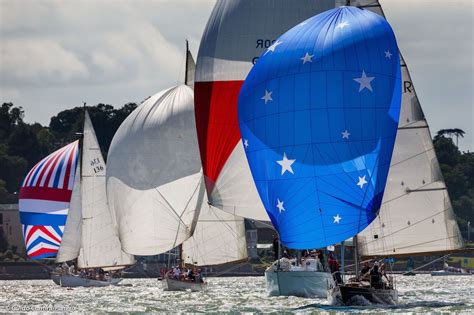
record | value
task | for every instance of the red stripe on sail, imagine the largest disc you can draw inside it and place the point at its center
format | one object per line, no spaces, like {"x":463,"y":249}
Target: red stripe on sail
{"x":45,"y":193}
{"x":68,"y":168}
{"x":42,"y":251}
{"x":53,"y":167}
{"x":217,"y":124}
{"x":45,"y":167}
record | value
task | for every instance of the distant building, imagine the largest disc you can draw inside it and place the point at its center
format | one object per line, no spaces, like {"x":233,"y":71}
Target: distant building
{"x":259,"y":236}
{"x":11,"y":226}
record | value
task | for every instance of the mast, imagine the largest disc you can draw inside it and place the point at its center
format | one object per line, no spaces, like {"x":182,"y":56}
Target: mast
{"x":81,"y":140}
{"x":356,"y":256}
{"x":180,"y":256}
{"x":186,"y":64}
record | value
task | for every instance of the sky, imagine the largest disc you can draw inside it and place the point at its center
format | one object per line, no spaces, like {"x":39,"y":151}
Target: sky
{"x":54,"y":55}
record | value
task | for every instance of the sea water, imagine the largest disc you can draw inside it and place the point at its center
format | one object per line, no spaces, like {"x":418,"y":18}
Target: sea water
{"x":418,"y":294}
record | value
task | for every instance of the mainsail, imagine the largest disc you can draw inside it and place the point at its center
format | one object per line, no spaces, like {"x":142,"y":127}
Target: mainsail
{"x":416,"y":215}
{"x":44,"y":201}
{"x":237,"y":32}
{"x":318,"y":115}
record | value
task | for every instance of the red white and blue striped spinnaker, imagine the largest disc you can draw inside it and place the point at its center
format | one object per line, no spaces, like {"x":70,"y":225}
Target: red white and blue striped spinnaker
{"x":44,"y":201}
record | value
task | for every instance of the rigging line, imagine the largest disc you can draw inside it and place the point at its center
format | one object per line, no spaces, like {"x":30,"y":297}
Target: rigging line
{"x":197,"y":210}
{"x":234,"y":233}
{"x":427,"y":242}
{"x":431,"y":262}
{"x":171,"y":208}
{"x":413,"y":156}
{"x":414,"y":127}
{"x":426,"y":189}
{"x":419,"y":189}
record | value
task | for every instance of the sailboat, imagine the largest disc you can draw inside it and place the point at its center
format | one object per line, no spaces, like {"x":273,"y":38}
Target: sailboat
{"x":416,"y":217}
{"x":87,"y":230}
{"x":319,"y":112}
{"x":156,"y":189}
{"x":237,"y":33}
{"x":90,"y":235}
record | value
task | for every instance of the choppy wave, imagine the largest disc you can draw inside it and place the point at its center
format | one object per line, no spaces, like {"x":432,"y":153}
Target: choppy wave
{"x":420,"y":294}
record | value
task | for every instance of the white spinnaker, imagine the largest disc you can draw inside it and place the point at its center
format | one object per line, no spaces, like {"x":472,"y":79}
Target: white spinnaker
{"x":100,"y":244}
{"x":237,"y":32}
{"x":71,"y":241}
{"x":153,"y":173}
{"x":219,"y":238}
{"x":416,"y":215}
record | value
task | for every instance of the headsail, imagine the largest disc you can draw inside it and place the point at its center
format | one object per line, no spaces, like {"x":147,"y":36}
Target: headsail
{"x":71,"y":242}
{"x":154,"y":175}
{"x":219,"y":237}
{"x":44,"y":201}
{"x":416,"y":215}
{"x":100,"y":244}
{"x":319,"y":115}
{"x":237,"y":32}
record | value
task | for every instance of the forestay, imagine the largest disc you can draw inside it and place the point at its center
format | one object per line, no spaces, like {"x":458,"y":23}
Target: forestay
{"x":44,"y":201}
{"x":416,"y":215}
{"x":153,"y":176}
{"x":237,"y":32}
{"x":100,"y":244}
{"x":318,"y":114}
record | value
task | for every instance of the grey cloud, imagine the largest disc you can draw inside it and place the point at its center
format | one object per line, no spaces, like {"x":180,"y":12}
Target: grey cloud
{"x":120,"y":51}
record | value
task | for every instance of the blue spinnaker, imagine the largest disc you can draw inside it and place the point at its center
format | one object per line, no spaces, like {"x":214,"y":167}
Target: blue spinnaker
{"x":318,"y":115}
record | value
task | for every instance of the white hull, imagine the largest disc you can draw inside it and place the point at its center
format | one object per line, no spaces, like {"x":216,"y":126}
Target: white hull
{"x":71,"y":281}
{"x":307,"y":284}
{"x":177,"y":285}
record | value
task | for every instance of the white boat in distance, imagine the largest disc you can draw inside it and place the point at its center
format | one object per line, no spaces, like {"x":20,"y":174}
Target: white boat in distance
{"x":184,"y":285}
{"x":71,"y":281}
{"x":451,"y":271}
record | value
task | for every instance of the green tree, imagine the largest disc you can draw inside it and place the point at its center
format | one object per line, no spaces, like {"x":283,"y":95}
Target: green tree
{"x":3,"y":191}
{"x":458,"y":173}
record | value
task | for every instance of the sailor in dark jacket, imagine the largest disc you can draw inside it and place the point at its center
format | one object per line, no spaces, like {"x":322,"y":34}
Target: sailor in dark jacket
{"x":376,"y":277}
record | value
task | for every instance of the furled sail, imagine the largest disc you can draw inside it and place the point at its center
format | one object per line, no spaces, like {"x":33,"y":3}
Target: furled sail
{"x":100,"y":244}
{"x":190,"y":68}
{"x":237,"y":32}
{"x":71,"y":242}
{"x":219,"y":237}
{"x":319,"y":114}
{"x":154,"y":179}
{"x":416,"y":215}
{"x":44,"y":201}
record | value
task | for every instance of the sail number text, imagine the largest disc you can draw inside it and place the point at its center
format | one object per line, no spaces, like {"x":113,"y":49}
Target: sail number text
{"x":96,"y":165}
